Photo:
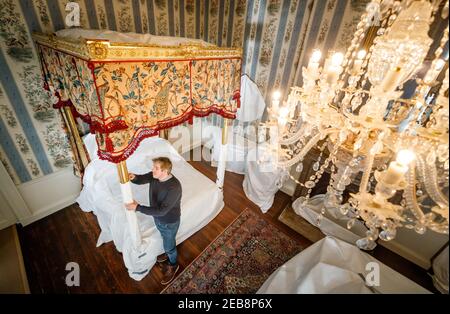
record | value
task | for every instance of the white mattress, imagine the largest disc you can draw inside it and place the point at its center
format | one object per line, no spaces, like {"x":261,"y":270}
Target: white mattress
{"x":201,"y":201}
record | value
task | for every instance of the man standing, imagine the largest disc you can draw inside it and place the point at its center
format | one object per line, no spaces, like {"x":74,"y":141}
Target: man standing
{"x":165,"y":198}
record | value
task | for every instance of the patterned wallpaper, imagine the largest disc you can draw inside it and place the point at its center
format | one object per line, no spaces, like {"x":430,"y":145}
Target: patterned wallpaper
{"x":276,"y":36}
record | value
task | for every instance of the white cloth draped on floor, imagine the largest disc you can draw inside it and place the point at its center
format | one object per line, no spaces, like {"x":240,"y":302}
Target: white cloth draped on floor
{"x":332,"y":223}
{"x":334,"y":266}
{"x":440,"y":270}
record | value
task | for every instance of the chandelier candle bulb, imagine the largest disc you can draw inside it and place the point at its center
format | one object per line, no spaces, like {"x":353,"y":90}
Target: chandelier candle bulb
{"x":284,"y":112}
{"x":313,"y":64}
{"x":334,"y":68}
{"x":361,"y":54}
{"x":395,"y":173}
{"x":398,"y":168}
{"x":439,"y":65}
{"x":275,"y":106}
{"x":336,"y":59}
{"x":276,"y":95}
{"x":282,"y":117}
{"x":405,"y":157}
{"x":291,"y":104}
{"x":315,"y":57}
{"x":333,"y":74}
{"x":434,"y":72}
{"x":392,"y":79}
{"x":276,"y":101}
{"x":281,"y":123}
{"x":359,"y":60}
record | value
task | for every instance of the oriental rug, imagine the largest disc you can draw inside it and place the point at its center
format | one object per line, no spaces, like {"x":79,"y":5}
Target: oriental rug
{"x":239,"y":260}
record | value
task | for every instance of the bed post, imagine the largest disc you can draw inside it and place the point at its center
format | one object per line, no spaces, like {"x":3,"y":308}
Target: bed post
{"x":223,"y":155}
{"x":127,"y":196}
{"x":72,"y":125}
{"x":164,"y":134}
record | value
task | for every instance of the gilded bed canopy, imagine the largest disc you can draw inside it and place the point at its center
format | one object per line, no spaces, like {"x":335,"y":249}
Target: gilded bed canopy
{"x":127,"y":91}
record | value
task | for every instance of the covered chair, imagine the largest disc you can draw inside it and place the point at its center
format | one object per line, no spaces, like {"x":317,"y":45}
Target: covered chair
{"x":262,"y":179}
{"x":242,"y":136}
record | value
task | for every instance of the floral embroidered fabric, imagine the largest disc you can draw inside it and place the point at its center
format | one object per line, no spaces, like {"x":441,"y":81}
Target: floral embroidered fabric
{"x":127,"y":101}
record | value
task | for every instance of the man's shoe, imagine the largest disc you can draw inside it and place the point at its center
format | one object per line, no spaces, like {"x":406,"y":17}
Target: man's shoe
{"x":162,"y":258}
{"x":169,"y":273}
{"x":163,"y":266}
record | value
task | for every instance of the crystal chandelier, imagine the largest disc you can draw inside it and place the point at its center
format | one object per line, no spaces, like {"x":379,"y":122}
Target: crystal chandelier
{"x":353,"y":107}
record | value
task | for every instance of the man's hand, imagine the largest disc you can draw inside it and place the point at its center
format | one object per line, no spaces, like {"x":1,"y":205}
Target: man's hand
{"x":132,"y":206}
{"x":131,"y":176}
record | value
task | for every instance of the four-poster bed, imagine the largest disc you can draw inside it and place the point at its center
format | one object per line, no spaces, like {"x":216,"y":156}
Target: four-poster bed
{"x":128,"y":87}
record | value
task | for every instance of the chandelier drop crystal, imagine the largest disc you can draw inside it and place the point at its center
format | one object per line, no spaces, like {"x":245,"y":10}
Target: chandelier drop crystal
{"x":352,"y":109}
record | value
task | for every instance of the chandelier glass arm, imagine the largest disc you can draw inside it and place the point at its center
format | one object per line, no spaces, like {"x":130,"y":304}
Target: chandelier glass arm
{"x":313,"y":141}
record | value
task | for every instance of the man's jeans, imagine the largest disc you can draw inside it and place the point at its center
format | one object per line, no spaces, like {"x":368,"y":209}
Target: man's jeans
{"x":168,"y":233}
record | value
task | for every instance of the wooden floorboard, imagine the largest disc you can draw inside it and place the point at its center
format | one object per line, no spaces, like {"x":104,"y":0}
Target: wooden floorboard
{"x":70,"y":235}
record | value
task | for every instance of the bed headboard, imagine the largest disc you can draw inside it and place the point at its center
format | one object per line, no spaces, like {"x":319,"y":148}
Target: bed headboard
{"x":131,"y":90}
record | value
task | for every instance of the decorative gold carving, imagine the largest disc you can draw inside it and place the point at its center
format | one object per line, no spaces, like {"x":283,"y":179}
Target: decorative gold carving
{"x":103,"y":50}
{"x":97,"y":50}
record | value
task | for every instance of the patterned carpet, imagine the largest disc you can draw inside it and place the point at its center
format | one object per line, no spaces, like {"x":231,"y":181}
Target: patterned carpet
{"x":239,"y":260}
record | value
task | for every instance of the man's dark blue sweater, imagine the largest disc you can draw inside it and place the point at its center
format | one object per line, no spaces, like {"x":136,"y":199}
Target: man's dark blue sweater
{"x":164,"y":196}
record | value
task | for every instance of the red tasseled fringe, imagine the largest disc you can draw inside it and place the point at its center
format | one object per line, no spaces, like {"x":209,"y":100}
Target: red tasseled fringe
{"x":129,"y":150}
{"x":117,"y":125}
{"x":94,"y":126}
{"x":98,"y":127}
{"x":237,"y":97}
{"x":109,"y":144}
{"x":61,"y":103}
{"x":113,"y":126}
{"x":115,"y":157}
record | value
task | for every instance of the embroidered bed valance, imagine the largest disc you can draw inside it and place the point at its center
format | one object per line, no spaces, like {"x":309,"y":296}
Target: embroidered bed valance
{"x":129,"y":91}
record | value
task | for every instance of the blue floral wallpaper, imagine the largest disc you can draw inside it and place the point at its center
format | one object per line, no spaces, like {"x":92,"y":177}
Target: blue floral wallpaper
{"x":276,"y":36}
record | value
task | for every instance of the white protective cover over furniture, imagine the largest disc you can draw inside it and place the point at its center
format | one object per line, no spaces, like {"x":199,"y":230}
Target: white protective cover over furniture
{"x":118,"y":37}
{"x":252,"y":101}
{"x":200,"y":203}
{"x":240,"y":139}
{"x":260,"y":180}
{"x":332,"y":223}
{"x":237,"y":148}
{"x":334,"y":266}
{"x":440,"y":270}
